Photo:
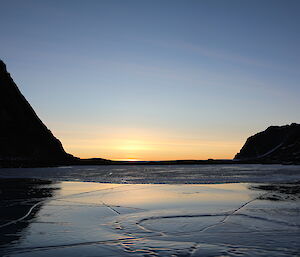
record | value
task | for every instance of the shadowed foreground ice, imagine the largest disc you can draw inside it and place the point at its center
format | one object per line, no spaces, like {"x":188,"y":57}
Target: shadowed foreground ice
{"x":41,"y":218}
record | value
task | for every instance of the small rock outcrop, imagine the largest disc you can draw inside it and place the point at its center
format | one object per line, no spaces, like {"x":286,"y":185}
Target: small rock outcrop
{"x":23,"y":136}
{"x":277,"y":144}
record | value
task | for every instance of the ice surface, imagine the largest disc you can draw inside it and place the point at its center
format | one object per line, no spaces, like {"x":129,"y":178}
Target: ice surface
{"x":169,"y":174}
{"x":101,"y":219}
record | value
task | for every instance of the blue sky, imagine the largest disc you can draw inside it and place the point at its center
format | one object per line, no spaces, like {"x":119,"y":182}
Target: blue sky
{"x":155,"y":79}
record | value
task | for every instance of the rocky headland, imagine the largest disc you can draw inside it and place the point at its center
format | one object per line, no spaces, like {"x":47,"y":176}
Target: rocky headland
{"x":24,"y":138}
{"x":277,"y":144}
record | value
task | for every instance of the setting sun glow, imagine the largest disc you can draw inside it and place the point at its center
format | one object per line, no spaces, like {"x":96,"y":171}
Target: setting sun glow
{"x":130,"y":144}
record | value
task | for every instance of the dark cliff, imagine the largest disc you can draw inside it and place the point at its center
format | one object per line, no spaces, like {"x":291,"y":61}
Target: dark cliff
{"x":277,"y":144}
{"x":23,"y":136}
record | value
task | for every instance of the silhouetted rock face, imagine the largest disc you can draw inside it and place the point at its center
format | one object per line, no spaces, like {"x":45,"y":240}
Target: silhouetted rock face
{"x":274,"y":145}
{"x":23,"y":136}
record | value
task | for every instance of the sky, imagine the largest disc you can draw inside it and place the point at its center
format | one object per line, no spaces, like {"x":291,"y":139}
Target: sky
{"x":155,"y":79}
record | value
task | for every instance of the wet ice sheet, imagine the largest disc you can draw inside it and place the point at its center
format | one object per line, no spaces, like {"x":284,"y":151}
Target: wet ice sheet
{"x":169,"y":174}
{"x":94,"y":219}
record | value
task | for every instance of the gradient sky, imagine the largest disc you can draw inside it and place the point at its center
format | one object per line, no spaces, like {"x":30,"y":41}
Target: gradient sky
{"x":154,"y":80}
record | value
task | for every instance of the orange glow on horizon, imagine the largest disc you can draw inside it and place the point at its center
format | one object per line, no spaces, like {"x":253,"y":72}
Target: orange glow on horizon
{"x":145,"y":145}
{"x":127,"y":160}
{"x":150,"y":151}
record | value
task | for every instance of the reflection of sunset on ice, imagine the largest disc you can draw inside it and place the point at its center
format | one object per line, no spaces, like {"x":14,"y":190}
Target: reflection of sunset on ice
{"x":86,"y":218}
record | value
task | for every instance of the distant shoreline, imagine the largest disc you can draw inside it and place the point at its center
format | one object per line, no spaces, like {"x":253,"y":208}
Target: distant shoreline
{"x":88,"y":162}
